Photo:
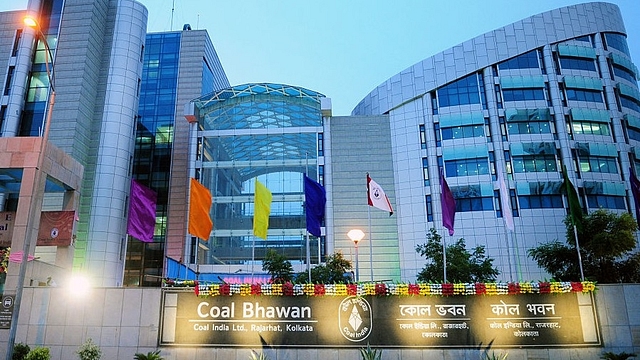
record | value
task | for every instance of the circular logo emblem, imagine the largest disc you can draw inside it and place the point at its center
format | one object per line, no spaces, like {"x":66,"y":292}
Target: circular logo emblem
{"x":355,"y":319}
{"x":376,"y":193}
{"x":54,"y":233}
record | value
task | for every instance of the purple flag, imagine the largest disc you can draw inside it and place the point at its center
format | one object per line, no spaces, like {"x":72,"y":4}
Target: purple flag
{"x":635,"y":190}
{"x":315,"y":199}
{"x":448,"y":204}
{"x":142,"y":212}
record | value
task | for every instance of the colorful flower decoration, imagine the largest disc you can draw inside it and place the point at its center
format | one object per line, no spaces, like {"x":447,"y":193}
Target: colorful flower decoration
{"x":4,"y":260}
{"x":384,"y":289}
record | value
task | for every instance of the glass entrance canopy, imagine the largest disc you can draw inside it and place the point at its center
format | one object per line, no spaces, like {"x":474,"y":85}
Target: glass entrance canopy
{"x":260,"y":131}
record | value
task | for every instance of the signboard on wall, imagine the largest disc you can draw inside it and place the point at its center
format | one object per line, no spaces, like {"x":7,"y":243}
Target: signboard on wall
{"x":56,"y":228}
{"x":7,"y":219}
{"x":526,"y":320}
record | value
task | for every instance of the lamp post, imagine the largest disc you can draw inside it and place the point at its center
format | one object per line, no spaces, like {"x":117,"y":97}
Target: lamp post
{"x":356,"y":235}
{"x":35,"y":204}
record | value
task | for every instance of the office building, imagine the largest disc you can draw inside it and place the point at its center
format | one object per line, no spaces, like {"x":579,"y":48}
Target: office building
{"x":517,"y":103}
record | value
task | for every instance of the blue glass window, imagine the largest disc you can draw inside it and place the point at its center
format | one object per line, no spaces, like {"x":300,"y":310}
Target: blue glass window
{"x":523,"y":94}
{"x":590,"y":128}
{"x":429,"y":206}
{"x":630,"y":103}
{"x":577,"y":63}
{"x":621,"y":72}
{"x":459,"y":132}
{"x":525,"y":61}
{"x":467,"y":167}
{"x":461,"y":92}
{"x":633,"y":134}
{"x":534,"y":163}
{"x":618,"y":42}
{"x":425,"y":171}
{"x":606,"y":201}
{"x":484,"y":203}
{"x":598,"y":164}
{"x":207,"y":79}
{"x":584,"y":95}
{"x":585,"y":38}
{"x":423,"y":137}
{"x":540,"y":201}
{"x":320,"y":144}
{"x":524,"y":127}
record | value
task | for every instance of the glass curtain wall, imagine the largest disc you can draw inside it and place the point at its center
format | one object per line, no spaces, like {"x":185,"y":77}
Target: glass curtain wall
{"x":267,"y":132}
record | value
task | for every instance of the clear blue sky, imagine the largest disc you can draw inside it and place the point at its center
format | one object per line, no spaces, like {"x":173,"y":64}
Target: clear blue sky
{"x":343,"y":49}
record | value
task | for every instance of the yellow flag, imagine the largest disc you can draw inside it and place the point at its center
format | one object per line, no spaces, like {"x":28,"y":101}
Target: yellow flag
{"x":261,"y":210}
{"x":200,"y":223}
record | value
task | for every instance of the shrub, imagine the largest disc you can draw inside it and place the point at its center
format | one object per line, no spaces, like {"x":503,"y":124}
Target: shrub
{"x":614,"y":356}
{"x":151,"y":355}
{"x":369,"y":353}
{"x":89,"y":351}
{"x":20,"y":351}
{"x":39,"y":353}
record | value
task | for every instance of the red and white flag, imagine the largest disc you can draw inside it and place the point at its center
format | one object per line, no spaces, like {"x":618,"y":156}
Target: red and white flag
{"x":377,"y":197}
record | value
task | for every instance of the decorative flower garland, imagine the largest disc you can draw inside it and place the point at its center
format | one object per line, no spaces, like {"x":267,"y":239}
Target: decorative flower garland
{"x":4,"y":260}
{"x":384,"y":289}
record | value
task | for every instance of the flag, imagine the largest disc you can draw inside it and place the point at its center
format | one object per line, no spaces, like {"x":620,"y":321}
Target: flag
{"x":142,"y":212}
{"x":377,"y":197}
{"x":448,"y":204}
{"x":261,"y":210}
{"x":575,"y":210}
{"x":315,"y":199}
{"x":16,"y":257}
{"x":200,"y":223}
{"x":635,"y":190}
{"x":505,"y":200}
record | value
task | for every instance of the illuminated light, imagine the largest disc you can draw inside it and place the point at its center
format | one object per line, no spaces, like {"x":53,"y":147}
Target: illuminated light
{"x":30,"y":22}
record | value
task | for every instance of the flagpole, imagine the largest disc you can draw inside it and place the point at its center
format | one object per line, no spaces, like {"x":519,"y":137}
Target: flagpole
{"x":575,"y":233}
{"x":308,"y":252}
{"x":507,"y":200}
{"x":506,"y":234}
{"x":308,"y":256}
{"x":444,"y":258}
{"x":253,"y":255}
{"x":370,"y":243}
{"x":518,"y":264}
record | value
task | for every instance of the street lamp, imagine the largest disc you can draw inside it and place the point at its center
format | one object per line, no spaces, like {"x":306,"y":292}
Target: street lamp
{"x":35,"y":204}
{"x":356,"y":235}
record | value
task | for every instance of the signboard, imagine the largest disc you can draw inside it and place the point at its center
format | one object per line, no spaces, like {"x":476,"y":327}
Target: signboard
{"x":7,"y":219}
{"x":6,"y":311}
{"x":56,"y":228}
{"x":526,"y":320}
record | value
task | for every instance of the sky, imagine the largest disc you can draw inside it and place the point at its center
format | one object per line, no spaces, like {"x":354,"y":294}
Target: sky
{"x":342,"y":49}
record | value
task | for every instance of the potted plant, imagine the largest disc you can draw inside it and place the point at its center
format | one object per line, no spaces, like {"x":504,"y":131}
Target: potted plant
{"x":613,"y":356}
{"x":89,"y":351}
{"x":39,"y":353}
{"x":151,"y":355}
{"x":20,"y":351}
{"x":258,"y":356}
{"x":370,"y":353}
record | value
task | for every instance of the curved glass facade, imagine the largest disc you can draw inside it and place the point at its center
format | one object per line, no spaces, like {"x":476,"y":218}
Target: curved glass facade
{"x":268,"y":132}
{"x":563,"y":91}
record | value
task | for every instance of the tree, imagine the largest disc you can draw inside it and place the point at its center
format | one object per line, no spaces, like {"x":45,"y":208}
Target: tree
{"x":331,"y":272}
{"x":462,"y":265}
{"x":606,"y":244}
{"x":277,"y":266}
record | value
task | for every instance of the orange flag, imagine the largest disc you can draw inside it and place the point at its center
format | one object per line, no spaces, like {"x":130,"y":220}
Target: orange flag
{"x":200,"y":223}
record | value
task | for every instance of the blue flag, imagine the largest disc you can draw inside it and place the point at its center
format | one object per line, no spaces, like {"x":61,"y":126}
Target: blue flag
{"x":315,"y":199}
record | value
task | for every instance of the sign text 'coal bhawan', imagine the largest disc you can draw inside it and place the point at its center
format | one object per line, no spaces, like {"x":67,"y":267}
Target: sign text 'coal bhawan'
{"x":527,"y":320}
